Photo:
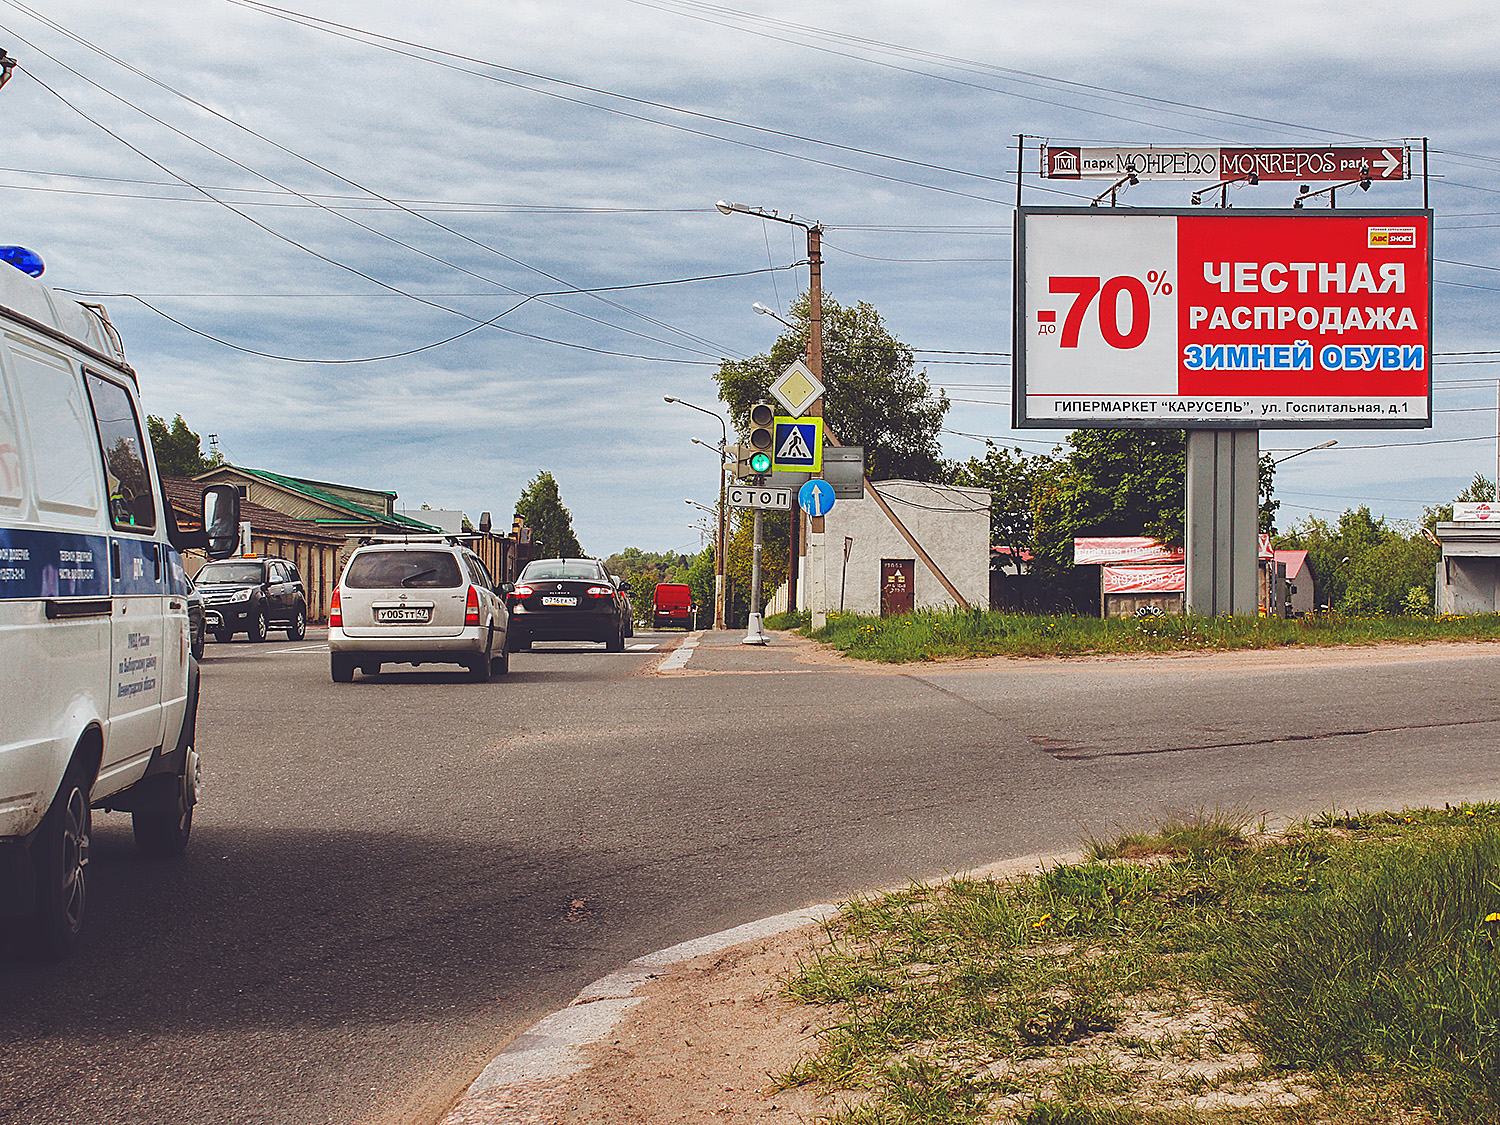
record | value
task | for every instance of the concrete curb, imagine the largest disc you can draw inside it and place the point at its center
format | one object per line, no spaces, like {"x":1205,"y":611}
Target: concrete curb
{"x":530,"y":1081}
{"x":527,"y":1082}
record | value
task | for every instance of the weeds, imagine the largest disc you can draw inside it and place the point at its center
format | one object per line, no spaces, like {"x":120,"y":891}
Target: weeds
{"x":954,"y":634}
{"x":1346,"y":970}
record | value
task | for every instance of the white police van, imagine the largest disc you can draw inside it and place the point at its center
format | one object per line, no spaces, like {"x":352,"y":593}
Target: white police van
{"x":100,"y":697}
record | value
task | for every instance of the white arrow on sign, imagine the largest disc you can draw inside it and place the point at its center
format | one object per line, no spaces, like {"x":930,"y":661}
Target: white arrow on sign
{"x":1389,"y":164}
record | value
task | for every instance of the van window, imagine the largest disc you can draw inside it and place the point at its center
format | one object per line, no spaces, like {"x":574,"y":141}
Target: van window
{"x":59,"y":432}
{"x":12,"y":490}
{"x":409,"y":570}
{"x":132,"y":506}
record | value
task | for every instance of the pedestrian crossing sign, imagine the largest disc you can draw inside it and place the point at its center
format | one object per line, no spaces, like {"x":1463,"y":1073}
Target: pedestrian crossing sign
{"x":799,"y":445}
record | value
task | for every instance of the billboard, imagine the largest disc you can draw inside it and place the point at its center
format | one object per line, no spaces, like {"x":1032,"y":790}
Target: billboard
{"x":1222,"y":319}
{"x":1160,"y":162}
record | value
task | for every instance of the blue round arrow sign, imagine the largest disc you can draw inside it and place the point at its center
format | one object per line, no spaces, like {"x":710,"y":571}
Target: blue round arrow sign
{"x":815,"y":497}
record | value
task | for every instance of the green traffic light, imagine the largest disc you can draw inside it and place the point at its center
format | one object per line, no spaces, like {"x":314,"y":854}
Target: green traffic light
{"x":760,"y":462}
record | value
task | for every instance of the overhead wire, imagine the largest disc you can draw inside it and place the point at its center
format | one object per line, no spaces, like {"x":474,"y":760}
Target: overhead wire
{"x":60,"y":29}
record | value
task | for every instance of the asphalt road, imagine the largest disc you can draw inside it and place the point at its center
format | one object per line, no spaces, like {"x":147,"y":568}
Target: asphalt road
{"x":389,"y":879}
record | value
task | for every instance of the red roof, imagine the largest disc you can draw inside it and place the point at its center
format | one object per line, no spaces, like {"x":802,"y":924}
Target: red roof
{"x":1295,"y":560}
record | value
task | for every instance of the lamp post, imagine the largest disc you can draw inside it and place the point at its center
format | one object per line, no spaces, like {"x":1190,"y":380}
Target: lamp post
{"x":814,"y":231}
{"x":1309,"y":449}
{"x":719,"y":551}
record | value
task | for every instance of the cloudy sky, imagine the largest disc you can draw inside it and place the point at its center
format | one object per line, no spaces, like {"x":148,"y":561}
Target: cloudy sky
{"x":350,"y":239}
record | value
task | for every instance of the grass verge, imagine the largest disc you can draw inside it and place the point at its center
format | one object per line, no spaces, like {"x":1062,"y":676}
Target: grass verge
{"x":950,"y":634}
{"x":1345,"y":970}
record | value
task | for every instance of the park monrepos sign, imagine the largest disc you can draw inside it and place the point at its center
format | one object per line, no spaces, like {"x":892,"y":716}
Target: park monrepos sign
{"x":1165,"y":162}
{"x":1223,"y":319}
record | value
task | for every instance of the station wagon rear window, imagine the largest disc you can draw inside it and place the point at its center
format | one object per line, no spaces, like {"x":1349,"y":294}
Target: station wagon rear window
{"x":403,"y":570}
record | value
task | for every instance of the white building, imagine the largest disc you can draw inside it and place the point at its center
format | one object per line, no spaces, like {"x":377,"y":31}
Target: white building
{"x":884,"y":572}
{"x":1468,"y":573}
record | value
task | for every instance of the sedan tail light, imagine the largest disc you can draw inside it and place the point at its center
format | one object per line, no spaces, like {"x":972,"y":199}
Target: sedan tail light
{"x":600,"y":592}
{"x":521,"y":593}
{"x":336,"y":611}
{"x":471,"y":608}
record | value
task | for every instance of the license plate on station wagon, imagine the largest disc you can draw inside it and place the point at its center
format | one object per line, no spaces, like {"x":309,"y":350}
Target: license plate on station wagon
{"x":558,"y":599}
{"x":405,"y":614}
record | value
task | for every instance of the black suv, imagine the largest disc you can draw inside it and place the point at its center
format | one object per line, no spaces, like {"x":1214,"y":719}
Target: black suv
{"x":250,"y":595}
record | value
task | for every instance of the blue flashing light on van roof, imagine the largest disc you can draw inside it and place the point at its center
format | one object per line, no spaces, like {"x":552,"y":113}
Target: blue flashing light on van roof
{"x":27,"y":261}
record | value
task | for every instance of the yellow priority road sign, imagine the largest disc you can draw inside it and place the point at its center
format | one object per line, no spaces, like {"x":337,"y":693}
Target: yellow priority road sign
{"x":798,"y":447}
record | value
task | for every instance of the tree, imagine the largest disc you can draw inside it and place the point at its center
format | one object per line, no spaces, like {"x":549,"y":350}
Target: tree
{"x":179,"y":451}
{"x":775,"y":531}
{"x":1013,"y":478}
{"x":1481,"y":489}
{"x":1361,"y":565}
{"x":875,"y":396}
{"x":541,"y":509}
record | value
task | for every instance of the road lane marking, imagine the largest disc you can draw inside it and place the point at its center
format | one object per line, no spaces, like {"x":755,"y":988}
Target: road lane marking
{"x":683,"y":653}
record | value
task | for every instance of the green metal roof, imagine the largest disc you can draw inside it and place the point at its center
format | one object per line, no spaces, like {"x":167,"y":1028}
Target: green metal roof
{"x":357,"y":512}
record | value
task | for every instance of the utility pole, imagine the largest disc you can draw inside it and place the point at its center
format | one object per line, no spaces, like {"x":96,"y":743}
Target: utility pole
{"x":817,"y":587}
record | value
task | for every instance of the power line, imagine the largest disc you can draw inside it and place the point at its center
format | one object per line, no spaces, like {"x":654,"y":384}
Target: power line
{"x":352,"y":183}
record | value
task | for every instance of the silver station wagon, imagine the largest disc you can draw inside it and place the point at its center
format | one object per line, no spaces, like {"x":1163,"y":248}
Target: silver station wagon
{"x":417,"y":600}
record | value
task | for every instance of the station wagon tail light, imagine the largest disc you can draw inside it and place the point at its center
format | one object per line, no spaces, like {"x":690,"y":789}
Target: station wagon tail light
{"x":471,"y":608}
{"x":336,"y":611}
{"x":521,"y":593}
{"x":600,"y":592}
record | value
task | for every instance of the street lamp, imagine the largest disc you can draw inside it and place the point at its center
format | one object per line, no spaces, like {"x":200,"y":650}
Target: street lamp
{"x":773,"y":314}
{"x":1309,"y":449}
{"x":719,"y":547}
{"x":814,"y":231}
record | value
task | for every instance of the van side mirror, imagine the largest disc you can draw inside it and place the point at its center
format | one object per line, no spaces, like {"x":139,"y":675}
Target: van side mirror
{"x":221,"y":520}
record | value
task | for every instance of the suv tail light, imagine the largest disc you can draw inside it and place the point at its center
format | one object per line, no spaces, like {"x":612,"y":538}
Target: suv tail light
{"x":600,"y":592}
{"x":471,"y":608}
{"x":336,"y":611}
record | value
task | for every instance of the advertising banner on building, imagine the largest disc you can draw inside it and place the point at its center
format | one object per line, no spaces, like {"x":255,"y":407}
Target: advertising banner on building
{"x":1096,"y":550}
{"x":1223,"y":319}
{"x":1177,"y":162}
{"x":1165,"y":579}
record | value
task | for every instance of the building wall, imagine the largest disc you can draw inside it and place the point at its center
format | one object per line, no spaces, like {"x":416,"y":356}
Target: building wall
{"x":1468,"y":584}
{"x":1468,"y":573}
{"x":951,"y":523}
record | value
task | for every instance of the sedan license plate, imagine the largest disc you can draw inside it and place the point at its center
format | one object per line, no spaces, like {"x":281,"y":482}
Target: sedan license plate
{"x":558,"y":599}
{"x":405,"y":614}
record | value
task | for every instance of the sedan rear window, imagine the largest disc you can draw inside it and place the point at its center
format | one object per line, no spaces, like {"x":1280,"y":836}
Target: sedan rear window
{"x":403,"y":570}
{"x":559,"y":569}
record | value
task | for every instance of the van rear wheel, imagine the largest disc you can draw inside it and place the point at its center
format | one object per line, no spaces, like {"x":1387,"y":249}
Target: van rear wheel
{"x":341,"y":667}
{"x":60,"y":854}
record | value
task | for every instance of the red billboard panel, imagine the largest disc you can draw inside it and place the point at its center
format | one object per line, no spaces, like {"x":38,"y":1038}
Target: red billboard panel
{"x":1223,"y":319}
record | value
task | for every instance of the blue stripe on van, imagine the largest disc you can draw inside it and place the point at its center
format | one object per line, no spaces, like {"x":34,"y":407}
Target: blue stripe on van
{"x":53,"y":564}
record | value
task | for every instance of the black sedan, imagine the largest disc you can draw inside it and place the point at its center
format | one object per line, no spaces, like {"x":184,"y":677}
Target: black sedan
{"x":567,"y":600}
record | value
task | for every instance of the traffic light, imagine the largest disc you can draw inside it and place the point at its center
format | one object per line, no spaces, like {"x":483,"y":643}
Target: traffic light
{"x":750,"y":462}
{"x":762,"y":436}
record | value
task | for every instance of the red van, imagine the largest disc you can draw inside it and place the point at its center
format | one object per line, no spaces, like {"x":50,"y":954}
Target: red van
{"x":674,"y":606}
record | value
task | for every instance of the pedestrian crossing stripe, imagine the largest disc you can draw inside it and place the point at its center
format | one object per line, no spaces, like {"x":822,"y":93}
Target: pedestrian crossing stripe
{"x":798,"y":446}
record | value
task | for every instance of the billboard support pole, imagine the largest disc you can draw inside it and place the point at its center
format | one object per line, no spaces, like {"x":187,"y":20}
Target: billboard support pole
{"x":1020,"y":158}
{"x":1223,"y":503}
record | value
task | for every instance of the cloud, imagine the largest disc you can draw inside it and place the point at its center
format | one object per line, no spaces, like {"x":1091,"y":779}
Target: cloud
{"x":467,"y":424}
